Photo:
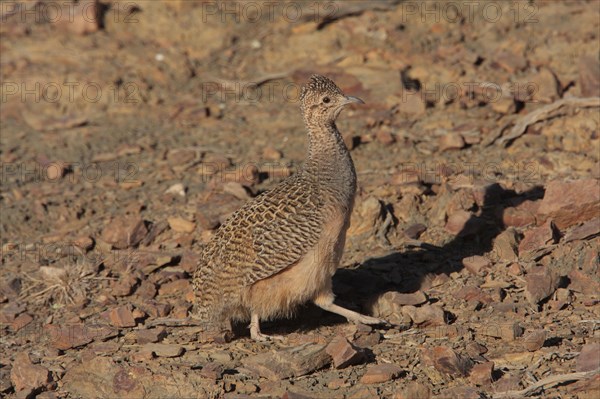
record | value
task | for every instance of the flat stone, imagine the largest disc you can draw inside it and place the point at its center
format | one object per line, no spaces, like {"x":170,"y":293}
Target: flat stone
{"x":163,"y":350}
{"x":506,"y":246}
{"x":451,"y":141}
{"x":414,"y":390}
{"x":212,"y":370}
{"x":541,"y":283}
{"x":67,"y":337}
{"x":343,"y":353}
{"x":178,"y":287}
{"x":447,"y":361}
{"x":181,"y":225}
{"x":121,"y":316}
{"x":507,"y":331}
{"x":569,"y":203}
{"x":26,"y":375}
{"x":534,"y":340}
{"x":124,"y":232}
{"x":150,"y":335}
{"x":589,"y":357}
{"x":476,"y":264}
{"x":589,"y":229}
{"x":21,"y":321}
{"x":290,"y":362}
{"x":481,"y":374}
{"x":389,"y":305}
{"x":589,"y":76}
{"x":426,"y":315}
{"x":381,"y":373}
{"x":537,"y":238}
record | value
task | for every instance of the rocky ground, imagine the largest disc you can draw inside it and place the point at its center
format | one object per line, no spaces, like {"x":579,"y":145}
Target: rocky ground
{"x":127,"y":139}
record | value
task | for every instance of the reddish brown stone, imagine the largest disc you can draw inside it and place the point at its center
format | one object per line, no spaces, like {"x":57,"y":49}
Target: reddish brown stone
{"x":21,"y":321}
{"x":481,"y":374}
{"x":124,"y":232}
{"x":121,"y":316}
{"x":447,"y":361}
{"x":589,"y":357}
{"x":451,"y":141}
{"x":541,"y":283}
{"x":476,"y":264}
{"x":381,"y":373}
{"x":568,"y":203}
{"x":589,"y":76}
{"x":178,"y":287}
{"x":534,"y":340}
{"x":426,"y":315}
{"x":67,"y":337}
{"x":26,"y":375}
{"x":414,"y":390}
{"x":343,"y":353}
{"x":151,"y":335}
{"x":537,"y":238}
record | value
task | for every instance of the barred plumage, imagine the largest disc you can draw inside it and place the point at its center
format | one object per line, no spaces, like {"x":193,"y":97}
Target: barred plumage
{"x":282,"y":248}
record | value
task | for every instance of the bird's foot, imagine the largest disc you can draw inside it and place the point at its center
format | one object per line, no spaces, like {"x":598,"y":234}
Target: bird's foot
{"x":364,"y":319}
{"x":260,"y":337}
{"x":256,"y":335}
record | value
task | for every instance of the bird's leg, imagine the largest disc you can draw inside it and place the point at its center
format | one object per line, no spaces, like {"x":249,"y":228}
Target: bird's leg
{"x":325,"y":301}
{"x":255,"y":333}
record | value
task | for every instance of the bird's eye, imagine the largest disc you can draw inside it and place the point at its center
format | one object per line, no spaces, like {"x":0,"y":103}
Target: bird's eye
{"x":326,"y":100}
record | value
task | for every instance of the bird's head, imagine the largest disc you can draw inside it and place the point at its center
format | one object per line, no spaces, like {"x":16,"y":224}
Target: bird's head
{"x":322,"y":100}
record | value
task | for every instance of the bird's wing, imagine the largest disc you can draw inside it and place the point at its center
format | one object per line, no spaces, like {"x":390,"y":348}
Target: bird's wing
{"x":282,"y":226}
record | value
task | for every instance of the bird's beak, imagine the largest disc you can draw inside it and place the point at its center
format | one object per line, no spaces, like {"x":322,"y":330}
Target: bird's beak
{"x":352,"y":99}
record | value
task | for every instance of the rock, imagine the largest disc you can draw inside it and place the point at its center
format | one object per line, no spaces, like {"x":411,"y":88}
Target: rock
{"x":121,"y":316}
{"x":589,"y":229}
{"x":447,"y":361}
{"x":343,"y":353}
{"x":413,"y":104}
{"x":510,"y":61}
{"x":10,"y":286}
{"x":389,"y":305}
{"x":67,"y":337}
{"x":10,"y":312}
{"x":385,"y":137}
{"x":289,"y":362}
{"x":28,"y":376}
{"x":521,"y":215}
{"x":538,"y":238}
{"x":476,"y":264}
{"x":481,"y":374}
{"x":381,"y":373}
{"x":472,"y":293}
{"x":83,"y":19}
{"x":534,"y":340}
{"x":541,"y":283}
{"x":272,"y":154}
{"x":213,"y":371}
{"x":163,"y":350}
{"x":367,"y":216}
{"x":426,"y":315}
{"x":547,"y":88}
{"x":237,"y":190}
{"x":463,"y":223}
{"x":84,"y":242}
{"x":178,"y":287}
{"x":124,"y":232}
{"x":414,"y":231}
{"x":21,"y":321}
{"x":181,"y":225}
{"x":460,"y":392}
{"x":504,"y":105}
{"x":150,"y":335}
{"x":505,"y":245}
{"x":582,"y":282}
{"x":124,"y":286}
{"x":176,"y":189}
{"x":589,"y":76}
{"x":569,"y":203}
{"x":589,"y":357}
{"x":451,"y":141}
{"x":414,"y":390}
{"x":507,"y":331}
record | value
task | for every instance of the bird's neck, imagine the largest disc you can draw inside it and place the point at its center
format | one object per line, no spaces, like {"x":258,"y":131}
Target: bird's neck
{"x":328,"y":158}
{"x":325,"y":143}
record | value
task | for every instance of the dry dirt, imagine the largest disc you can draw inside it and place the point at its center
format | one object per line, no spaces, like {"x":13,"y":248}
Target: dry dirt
{"x":127,"y":138}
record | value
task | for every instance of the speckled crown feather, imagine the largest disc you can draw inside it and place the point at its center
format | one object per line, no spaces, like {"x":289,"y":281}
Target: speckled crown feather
{"x":319,"y":84}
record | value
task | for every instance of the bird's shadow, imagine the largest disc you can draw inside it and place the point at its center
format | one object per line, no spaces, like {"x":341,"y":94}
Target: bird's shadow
{"x":406,"y":271}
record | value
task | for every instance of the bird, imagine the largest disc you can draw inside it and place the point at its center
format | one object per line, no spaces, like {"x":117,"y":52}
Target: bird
{"x":281,"y":249}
